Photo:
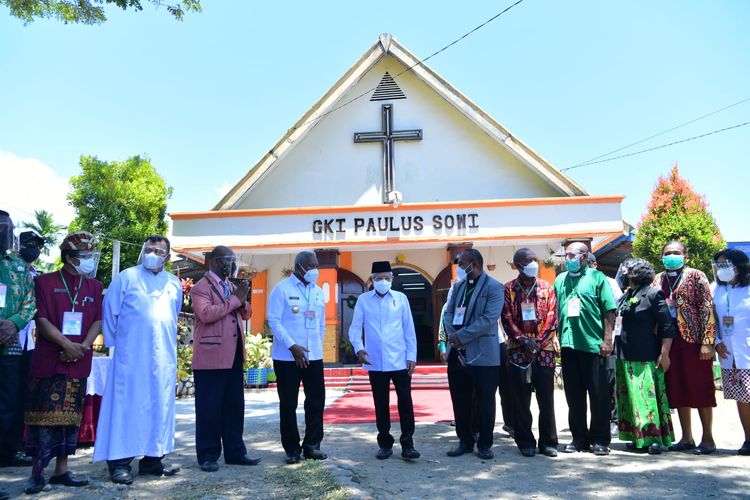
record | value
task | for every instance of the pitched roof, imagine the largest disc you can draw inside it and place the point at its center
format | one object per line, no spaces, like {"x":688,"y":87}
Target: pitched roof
{"x":331,"y":101}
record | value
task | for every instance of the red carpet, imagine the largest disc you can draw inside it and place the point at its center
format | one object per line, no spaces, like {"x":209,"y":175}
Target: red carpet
{"x":430,"y":405}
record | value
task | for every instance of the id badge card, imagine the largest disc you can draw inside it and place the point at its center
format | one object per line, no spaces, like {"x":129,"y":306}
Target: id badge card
{"x":458,"y":316}
{"x":618,"y":326}
{"x":727,"y":325}
{"x":574,"y":307}
{"x":672,"y":310}
{"x":3,"y":294}
{"x":72,"y":323}
{"x":528,"y":312}
{"x":310,"y":320}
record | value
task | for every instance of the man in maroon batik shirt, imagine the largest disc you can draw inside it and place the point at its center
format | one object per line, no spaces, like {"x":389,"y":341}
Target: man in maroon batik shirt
{"x":69,"y":314}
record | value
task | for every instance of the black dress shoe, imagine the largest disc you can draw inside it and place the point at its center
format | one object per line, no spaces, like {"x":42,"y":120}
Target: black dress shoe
{"x":601,"y":450}
{"x":575,"y":448}
{"x":690,"y":445}
{"x":485,"y":454}
{"x":745,"y":449}
{"x":528,"y":452}
{"x":655,"y":449}
{"x":509,"y":430}
{"x":315,"y":455}
{"x":121,"y":476}
{"x":704,"y":450}
{"x":549,"y":451}
{"x":459,"y":450}
{"x":157,"y":470}
{"x":410,"y":454}
{"x":292,"y":459}
{"x":383,"y":453}
{"x":209,"y":466}
{"x":67,"y":479}
{"x":34,"y":485}
{"x":4,"y":495}
{"x":244,"y":461}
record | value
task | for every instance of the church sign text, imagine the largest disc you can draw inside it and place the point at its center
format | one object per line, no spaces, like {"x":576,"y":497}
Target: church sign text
{"x":402,"y":224}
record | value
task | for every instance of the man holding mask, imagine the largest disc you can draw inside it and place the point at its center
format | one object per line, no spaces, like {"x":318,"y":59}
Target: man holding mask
{"x":218,"y":359}
{"x":137,"y":416}
{"x":471,"y":323}
{"x":296,"y":315}
{"x":388,"y":353}
{"x":586,"y":312}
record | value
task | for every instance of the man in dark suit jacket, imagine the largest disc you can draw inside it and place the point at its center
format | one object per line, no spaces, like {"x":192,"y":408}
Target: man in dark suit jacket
{"x":218,"y":359}
{"x":471,"y":323}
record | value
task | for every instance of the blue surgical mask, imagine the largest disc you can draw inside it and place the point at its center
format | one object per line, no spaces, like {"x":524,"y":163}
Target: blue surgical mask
{"x":462,"y":273}
{"x":382,"y":286}
{"x":311,"y":276}
{"x":85,"y":266}
{"x":673,"y":262}
{"x":573,"y":265}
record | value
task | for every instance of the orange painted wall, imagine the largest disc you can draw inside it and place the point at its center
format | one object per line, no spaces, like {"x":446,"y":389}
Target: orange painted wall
{"x":547,"y":273}
{"x":331,"y":339}
{"x":345,"y":260}
{"x":258,"y":301}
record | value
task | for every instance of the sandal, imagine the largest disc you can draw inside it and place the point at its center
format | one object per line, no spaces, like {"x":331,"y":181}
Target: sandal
{"x":683,"y":446}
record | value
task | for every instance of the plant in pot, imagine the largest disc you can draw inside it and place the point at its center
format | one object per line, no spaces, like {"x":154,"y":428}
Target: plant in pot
{"x":257,"y":360}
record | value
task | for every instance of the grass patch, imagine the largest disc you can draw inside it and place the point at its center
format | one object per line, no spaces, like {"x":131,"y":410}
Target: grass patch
{"x":309,"y":479}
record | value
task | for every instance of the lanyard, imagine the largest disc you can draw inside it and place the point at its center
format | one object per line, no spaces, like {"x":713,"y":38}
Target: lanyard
{"x":527,"y":294}
{"x":672,"y":286}
{"x":729,"y":312}
{"x":306,"y":295}
{"x":466,"y":290}
{"x":73,"y":300}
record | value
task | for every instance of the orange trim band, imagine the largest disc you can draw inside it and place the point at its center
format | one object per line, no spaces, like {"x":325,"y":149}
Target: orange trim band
{"x":527,"y":202}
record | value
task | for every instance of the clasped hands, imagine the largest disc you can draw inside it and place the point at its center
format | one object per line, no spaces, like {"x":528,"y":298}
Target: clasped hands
{"x":8,"y":332}
{"x":411,"y":366}
{"x":72,"y":352}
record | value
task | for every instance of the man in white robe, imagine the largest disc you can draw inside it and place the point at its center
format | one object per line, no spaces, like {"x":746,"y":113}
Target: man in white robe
{"x":137,"y":416}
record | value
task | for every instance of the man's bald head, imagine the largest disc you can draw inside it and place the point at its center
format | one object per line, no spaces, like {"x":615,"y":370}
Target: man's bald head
{"x":221,"y":251}
{"x":577,"y":247}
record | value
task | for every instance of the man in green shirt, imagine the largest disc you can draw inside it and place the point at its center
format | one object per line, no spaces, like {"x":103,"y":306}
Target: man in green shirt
{"x":586,"y":318}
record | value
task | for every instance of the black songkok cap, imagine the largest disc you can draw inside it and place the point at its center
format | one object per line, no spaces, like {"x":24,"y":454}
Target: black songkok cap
{"x":382,"y":266}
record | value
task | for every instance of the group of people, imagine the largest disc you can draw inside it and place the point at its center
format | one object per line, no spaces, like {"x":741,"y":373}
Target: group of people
{"x":661,"y":331}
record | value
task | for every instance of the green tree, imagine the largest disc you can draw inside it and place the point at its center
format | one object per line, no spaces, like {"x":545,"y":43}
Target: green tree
{"x":44,"y":225}
{"x":124,"y":201}
{"x":677,"y":212}
{"x":89,"y":11}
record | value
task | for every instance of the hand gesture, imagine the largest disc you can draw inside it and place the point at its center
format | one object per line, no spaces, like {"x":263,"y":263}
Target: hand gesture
{"x":73,"y":351}
{"x":300,"y":356}
{"x":241,"y":291}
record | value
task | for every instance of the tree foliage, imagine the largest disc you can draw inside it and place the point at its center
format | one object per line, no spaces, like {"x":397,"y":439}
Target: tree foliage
{"x":44,"y":225}
{"x":124,"y":201}
{"x":677,"y":212}
{"x":89,"y":11}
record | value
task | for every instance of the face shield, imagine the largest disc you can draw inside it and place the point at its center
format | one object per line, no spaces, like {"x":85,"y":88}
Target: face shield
{"x":226,"y":266}
{"x":724,"y":270}
{"x":153,"y":256}
{"x":86,"y":262}
{"x":8,"y":242}
{"x":622,"y":276}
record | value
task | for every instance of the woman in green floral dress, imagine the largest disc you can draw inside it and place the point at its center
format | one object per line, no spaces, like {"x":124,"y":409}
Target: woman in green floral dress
{"x":644,"y":333}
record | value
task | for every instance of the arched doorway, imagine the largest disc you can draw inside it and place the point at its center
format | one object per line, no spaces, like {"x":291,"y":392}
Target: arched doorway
{"x":350,"y":288}
{"x":419,"y":292}
{"x":440,"y":288}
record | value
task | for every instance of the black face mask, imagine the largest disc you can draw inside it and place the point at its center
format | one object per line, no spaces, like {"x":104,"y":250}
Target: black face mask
{"x":29,"y":254}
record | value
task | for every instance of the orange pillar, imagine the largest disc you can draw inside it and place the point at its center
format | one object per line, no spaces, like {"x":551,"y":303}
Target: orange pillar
{"x":345,"y":261}
{"x":258,"y":301}
{"x":328,"y":281}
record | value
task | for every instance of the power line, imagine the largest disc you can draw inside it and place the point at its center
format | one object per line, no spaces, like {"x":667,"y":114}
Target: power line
{"x":418,"y":63}
{"x":658,"y":147}
{"x":587,"y":162}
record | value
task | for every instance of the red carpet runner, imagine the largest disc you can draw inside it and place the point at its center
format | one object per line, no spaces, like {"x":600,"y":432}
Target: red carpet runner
{"x":430,"y":405}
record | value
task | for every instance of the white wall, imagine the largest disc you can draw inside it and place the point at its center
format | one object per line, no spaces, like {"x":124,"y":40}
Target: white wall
{"x":454,"y":161}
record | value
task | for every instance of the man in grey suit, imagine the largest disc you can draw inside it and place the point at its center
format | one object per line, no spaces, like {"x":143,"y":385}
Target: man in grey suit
{"x":473,"y":356}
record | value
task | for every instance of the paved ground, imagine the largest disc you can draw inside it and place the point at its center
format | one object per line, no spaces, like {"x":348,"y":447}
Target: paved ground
{"x":508,"y":475}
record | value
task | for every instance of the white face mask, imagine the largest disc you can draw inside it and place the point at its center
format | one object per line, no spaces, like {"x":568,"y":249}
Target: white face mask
{"x":85,"y":266}
{"x":463,"y":273}
{"x":726,"y":274}
{"x":531,"y":269}
{"x":382,"y":286}
{"x":311,"y":276}
{"x":153,"y":262}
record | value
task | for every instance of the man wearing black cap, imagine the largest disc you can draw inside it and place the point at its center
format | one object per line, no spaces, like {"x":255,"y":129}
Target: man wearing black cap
{"x":471,"y":323}
{"x":388,"y":353}
{"x":17,"y":308}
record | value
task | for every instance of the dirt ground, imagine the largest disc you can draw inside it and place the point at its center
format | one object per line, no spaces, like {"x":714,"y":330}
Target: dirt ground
{"x":352,"y":466}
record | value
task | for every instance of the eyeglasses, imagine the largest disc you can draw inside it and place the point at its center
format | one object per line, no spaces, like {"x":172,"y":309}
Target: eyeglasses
{"x":83,"y":254}
{"x":570,"y":255}
{"x":158,"y":251}
{"x":722,"y":264}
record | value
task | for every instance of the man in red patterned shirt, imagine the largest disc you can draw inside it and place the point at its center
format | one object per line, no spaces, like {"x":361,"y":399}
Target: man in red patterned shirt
{"x":530,"y":320}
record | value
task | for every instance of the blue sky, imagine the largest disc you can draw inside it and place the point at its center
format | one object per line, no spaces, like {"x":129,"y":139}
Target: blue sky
{"x":205,"y":98}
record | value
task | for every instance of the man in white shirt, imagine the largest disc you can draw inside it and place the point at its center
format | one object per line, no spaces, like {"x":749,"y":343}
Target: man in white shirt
{"x":296,"y":315}
{"x":388,"y":353}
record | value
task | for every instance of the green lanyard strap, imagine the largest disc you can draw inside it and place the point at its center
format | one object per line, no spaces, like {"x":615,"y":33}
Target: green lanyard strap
{"x":74,"y":299}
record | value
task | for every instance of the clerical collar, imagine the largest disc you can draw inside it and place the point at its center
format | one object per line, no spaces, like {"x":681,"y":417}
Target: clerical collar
{"x":575,"y":275}
{"x":672,"y":274}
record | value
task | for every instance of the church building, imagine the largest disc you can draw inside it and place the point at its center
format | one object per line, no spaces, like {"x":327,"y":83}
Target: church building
{"x":394,"y":163}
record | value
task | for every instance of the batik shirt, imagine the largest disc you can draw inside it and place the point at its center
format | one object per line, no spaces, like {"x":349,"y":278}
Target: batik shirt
{"x":690,"y":292}
{"x":20,"y":305}
{"x":543,"y":329}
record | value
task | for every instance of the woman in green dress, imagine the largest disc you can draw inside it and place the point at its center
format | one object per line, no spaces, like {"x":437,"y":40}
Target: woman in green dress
{"x":644,"y":331}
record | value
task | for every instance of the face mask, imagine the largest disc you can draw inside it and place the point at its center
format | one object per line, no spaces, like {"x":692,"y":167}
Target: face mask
{"x":382,"y":286}
{"x":29,"y":254}
{"x":311,"y":275}
{"x":573,"y":265}
{"x":85,"y":266}
{"x":531,"y":269}
{"x":726,"y":274}
{"x":673,"y":262}
{"x":153,"y":262}
{"x":463,"y":273}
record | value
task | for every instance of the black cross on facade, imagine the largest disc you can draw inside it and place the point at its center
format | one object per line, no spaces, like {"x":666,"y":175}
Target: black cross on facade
{"x":387,"y":136}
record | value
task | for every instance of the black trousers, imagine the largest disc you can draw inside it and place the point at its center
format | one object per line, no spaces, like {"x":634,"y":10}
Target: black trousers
{"x":543,"y":383}
{"x":380,"y":382}
{"x":467,"y":383}
{"x":503,"y":387}
{"x":10,"y":369}
{"x":220,"y":412}
{"x":585,"y":373}
{"x":124,"y":463}
{"x":288,"y":378}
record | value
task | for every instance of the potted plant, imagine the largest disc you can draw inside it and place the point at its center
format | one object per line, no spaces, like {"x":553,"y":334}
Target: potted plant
{"x":257,"y":360}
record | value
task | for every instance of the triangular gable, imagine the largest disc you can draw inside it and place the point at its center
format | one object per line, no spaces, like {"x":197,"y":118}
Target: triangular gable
{"x":332,"y":101}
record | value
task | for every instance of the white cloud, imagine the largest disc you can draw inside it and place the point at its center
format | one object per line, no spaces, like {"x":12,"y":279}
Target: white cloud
{"x":28,"y":185}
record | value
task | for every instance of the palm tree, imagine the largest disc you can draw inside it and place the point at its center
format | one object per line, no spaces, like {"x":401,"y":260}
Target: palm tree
{"x":46,"y":228}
